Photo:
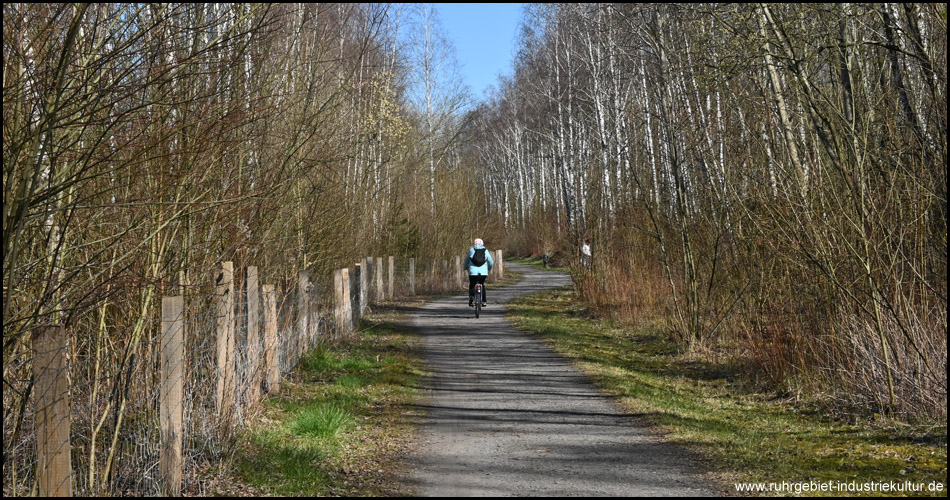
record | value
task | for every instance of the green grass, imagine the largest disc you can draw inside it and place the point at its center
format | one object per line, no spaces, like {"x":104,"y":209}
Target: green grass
{"x":511,"y":278}
{"x":745,"y":435}
{"x":324,"y":421}
{"x":538,"y":262}
{"x":341,"y":422}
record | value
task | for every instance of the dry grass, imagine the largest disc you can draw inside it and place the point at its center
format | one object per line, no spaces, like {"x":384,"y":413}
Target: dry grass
{"x":793,"y":336}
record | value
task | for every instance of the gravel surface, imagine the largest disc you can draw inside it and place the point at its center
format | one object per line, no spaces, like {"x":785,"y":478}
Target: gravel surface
{"x":507,"y":416}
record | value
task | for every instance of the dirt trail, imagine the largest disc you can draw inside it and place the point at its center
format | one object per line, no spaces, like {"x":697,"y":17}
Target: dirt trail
{"x":508,"y":416}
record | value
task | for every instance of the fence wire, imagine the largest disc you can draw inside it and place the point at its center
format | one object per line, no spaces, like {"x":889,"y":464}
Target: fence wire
{"x":113,"y":382}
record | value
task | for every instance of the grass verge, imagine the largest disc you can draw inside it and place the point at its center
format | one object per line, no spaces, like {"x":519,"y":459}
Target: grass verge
{"x":538,"y":262}
{"x":745,"y":435}
{"x":341,"y":422}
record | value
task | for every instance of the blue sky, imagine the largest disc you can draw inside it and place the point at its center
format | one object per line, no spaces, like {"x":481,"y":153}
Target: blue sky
{"x":485,"y":37}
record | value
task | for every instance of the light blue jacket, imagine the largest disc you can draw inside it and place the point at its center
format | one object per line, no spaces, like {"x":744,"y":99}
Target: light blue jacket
{"x":482,"y":270}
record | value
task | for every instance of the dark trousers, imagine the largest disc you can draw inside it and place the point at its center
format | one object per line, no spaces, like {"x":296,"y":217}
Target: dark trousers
{"x":471,"y":287}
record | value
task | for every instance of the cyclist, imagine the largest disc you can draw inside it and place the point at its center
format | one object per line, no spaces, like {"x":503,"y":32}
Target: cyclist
{"x":478,"y":263}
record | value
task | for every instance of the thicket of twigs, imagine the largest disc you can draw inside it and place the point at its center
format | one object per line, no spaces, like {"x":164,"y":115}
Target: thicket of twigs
{"x":768,"y":180}
{"x":143,"y":143}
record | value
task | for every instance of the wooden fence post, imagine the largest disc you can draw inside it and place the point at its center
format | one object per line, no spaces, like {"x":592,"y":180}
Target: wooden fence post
{"x":224,"y":294}
{"x":463,"y":273}
{"x":364,"y":285}
{"x":347,"y":300}
{"x":369,"y":280}
{"x":52,"y":421}
{"x":412,"y":276}
{"x":458,"y":271}
{"x":357,"y":293}
{"x":338,"y":302}
{"x":392,"y":274}
{"x":303,"y":310}
{"x":253,"y":378}
{"x":500,"y":264}
{"x":171,"y":411}
{"x":380,"y":291}
{"x":313,"y":323}
{"x":271,"y":350}
{"x":378,"y":276}
{"x":341,"y":286}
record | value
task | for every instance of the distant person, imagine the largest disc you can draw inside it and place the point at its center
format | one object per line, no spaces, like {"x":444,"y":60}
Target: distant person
{"x":478,"y":263}
{"x":586,"y":254}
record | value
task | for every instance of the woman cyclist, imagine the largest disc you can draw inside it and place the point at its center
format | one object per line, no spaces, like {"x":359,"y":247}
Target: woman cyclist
{"x":478,"y":263}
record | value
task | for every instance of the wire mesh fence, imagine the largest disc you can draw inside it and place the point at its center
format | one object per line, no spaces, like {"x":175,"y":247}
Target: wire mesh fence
{"x":84,"y":414}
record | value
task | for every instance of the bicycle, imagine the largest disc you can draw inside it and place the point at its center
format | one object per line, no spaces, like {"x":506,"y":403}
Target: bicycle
{"x":478,"y":299}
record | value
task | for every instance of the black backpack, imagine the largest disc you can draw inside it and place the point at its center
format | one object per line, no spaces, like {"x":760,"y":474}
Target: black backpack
{"x":478,"y":260}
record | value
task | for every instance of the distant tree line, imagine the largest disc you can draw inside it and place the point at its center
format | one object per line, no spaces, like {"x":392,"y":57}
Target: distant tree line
{"x":766,"y":181}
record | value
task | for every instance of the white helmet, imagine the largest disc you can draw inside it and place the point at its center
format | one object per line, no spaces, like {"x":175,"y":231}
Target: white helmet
{"x":478,"y":241}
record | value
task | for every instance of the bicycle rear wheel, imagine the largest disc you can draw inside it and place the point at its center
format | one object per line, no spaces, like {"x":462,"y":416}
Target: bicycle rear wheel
{"x":478,"y":301}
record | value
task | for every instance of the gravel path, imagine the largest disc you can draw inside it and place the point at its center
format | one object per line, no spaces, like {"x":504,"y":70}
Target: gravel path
{"x":506,"y":416}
